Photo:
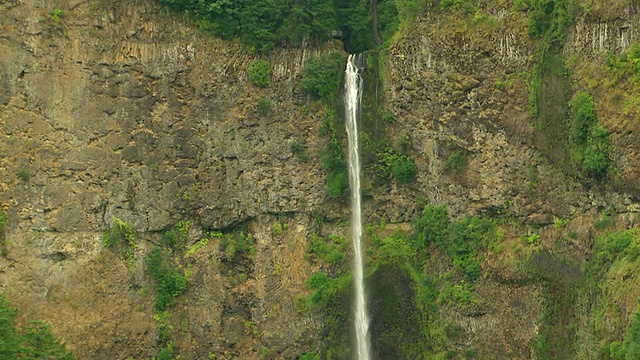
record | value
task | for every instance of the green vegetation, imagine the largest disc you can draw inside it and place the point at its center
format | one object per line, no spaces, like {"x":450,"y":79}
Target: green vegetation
{"x":32,"y":341}
{"x":322,"y":76}
{"x":23,"y":174}
{"x":309,"y":356}
{"x":202,"y":243}
{"x":300,"y":150}
{"x":404,"y":292}
{"x":260,"y":73}
{"x":470,"y":8}
{"x":169,"y":282}
{"x":331,"y":291}
{"x":264,"y":106}
{"x":624,"y":65}
{"x":166,"y":348}
{"x":56,"y":15}
{"x":334,"y":162}
{"x":3,"y":224}
{"x":614,"y":253}
{"x":10,"y":346}
{"x":121,"y":237}
{"x":549,"y":21}
{"x":584,"y":117}
{"x":631,"y":343}
{"x":582,"y":143}
{"x":264,"y":24}
{"x":560,"y":223}
{"x":264,"y":353}
{"x":330,"y":250}
{"x":467,"y":7}
{"x":40,"y":343}
{"x":331,"y":298}
{"x":589,"y":141}
{"x":236,"y":244}
{"x":456,"y":163}
{"x":382,"y":161}
{"x":404,"y":169}
{"x":175,"y":238}
{"x":166,"y":353}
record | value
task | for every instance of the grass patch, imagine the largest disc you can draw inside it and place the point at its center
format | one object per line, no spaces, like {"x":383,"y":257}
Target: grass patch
{"x":56,"y":15}
{"x":23,"y":174}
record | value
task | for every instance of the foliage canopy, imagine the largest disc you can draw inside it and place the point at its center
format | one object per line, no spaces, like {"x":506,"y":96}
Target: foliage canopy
{"x":323,"y":75}
{"x":263,"y":24}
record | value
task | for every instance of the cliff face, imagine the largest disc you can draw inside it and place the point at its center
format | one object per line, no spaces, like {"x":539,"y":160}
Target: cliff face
{"x":615,"y":30}
{"x":116,"y":109}
{"x":120,"y":110}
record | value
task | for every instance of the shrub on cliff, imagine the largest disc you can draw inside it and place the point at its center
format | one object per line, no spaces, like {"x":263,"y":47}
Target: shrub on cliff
{"x":589,"y":140}
{"x":236,"y":244}
{"x":456,"y":163}
{"x":33,"y":341}
{"x":404,"y":169}
{"x":175,"y":237}
{"x":169,"y":282}
{"x":263,"y":106}
{"x":596,"y":155}
{"x":260,"y":73}
{"x":323,"y":76}
{"x":121,"y":238}
{"x":584,"y":117}
{"x":632,"y":340}
{"x":333,"y":162}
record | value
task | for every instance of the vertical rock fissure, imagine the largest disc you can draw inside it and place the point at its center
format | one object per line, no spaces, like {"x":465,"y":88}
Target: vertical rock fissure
{"x":352,"y":100}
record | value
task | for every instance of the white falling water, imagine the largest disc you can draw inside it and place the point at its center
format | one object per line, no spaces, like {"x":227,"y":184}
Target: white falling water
{"x":352,"y":98}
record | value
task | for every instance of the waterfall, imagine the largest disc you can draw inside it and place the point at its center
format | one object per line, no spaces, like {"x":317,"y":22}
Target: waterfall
{"x":352,"y":99}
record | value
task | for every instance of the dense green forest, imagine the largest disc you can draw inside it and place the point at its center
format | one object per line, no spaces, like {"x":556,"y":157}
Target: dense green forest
{"x":263,"y":24}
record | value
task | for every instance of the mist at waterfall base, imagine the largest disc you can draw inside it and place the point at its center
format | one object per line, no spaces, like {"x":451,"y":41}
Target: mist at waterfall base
{"x":352,"y":101}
